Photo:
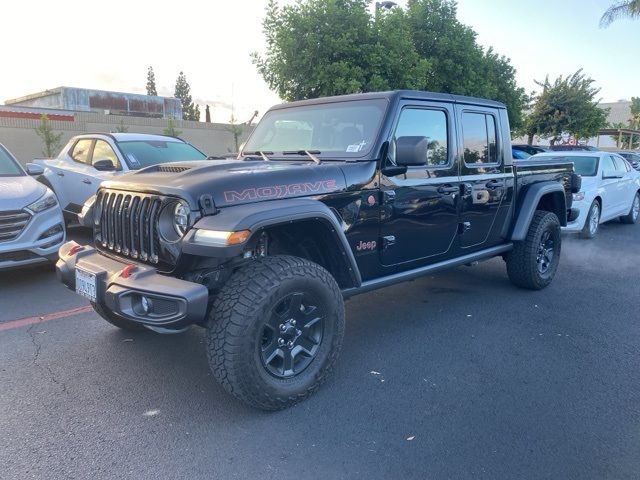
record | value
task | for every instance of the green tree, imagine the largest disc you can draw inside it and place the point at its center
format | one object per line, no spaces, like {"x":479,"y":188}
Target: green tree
{"x":151,"y":82}
{"x":170,"y":130}
{"x":121,"y":127}
{"x":183,"y":93}
{"x":330,"y":47}
{"x":459,"y":65}
{"x":50,"y":139}
{"x":626,"y":9}
{"x":634,"y":121}
{"x":236,"y":130}
{"x":318,"y":48}
{"x":568,"y":105}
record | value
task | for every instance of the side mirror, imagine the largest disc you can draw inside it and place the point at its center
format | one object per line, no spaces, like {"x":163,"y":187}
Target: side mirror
{"x":34,"y":169}
{"x":411,"y":151}
{"x":105,"y":165}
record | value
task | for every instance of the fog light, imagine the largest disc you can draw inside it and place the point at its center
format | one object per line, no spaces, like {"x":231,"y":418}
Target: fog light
{"x":146,"y":304}
{"x":51,"y":232}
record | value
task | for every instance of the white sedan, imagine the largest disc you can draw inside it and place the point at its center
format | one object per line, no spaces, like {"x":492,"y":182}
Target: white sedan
{"x":89,"y":159}
{"x":610,"y":189}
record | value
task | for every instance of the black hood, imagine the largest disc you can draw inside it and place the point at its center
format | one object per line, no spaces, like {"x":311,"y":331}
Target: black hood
{"x":236,"y":182}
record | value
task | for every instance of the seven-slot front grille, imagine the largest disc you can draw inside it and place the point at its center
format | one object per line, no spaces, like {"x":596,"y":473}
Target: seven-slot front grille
{"x":127,"y":224}
{"x":12,"y":223}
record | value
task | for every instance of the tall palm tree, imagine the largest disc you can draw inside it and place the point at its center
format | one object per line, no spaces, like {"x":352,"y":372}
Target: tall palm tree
{"x":630,"y":9}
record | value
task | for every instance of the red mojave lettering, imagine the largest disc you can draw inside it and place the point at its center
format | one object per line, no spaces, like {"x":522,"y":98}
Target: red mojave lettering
{"x":279,"y":191}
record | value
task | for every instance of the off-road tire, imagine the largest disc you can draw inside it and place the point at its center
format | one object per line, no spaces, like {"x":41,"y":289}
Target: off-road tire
{"x":117,"y":321}
{"x":587,"y":232}
{"x":632,"y":217}
{"x":522,"y":261}
{"x":237,"y":321}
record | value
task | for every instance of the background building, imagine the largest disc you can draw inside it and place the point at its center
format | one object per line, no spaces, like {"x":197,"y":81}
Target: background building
{"x":73,"y":111}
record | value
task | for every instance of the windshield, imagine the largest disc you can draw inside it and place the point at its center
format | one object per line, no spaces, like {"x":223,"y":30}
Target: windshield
{"x":585,"y":166}
{"x":144,"y":153}
{"x":340,"y":129}
{"x":8,"y":166}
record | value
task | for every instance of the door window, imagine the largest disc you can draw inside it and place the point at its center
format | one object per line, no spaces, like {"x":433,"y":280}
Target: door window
{"x":80,"y":152}
{"x":103,"y":151}
{"x":479,"y":138}
{"x":608,"y":167}
{"x":422,"y":122}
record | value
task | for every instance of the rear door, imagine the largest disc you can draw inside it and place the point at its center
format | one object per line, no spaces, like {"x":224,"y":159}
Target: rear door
{"x":612,"y":188}
{"x":485,"y":180}
{"x":419,"y":220}
{"x":627,"y":185}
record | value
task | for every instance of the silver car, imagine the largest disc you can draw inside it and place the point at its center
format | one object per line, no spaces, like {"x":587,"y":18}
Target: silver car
{"x":31,"y":224}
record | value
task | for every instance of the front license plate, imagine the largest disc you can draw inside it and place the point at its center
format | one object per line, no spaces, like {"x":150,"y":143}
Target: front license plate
{"x":86,"y":284}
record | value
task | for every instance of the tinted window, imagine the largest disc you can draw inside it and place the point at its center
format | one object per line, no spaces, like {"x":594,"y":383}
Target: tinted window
{"x":431,"y":124}
{"x":345,"y":129}
{"x":479,"y":138}
{"x":80,"y":151}
{"x":143,"y":153}
{"x":519,"y":154}
{"x":585,"y":166}
{"x":8,"y":166}
{"x":608,"y":165}
{"x":103,"y":151}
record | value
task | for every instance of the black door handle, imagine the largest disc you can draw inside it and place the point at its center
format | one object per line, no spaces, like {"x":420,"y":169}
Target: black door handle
{"x":494,"y":184}
{"x":60,"y":174}
{"x":446,"y":189}
{"x":87,"y":181}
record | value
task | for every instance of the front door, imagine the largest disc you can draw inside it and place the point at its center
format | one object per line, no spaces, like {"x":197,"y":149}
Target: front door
{"x":483,"y":176}
{"x":419,"y":219}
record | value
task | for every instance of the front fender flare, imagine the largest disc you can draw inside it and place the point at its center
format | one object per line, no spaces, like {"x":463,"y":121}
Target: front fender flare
{"x":258,"y":216}
{"x":529,"y":203}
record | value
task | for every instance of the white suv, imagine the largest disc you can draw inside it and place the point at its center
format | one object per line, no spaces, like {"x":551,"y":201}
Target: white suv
{"x":31,"y":224}
{"x":89,"y":159}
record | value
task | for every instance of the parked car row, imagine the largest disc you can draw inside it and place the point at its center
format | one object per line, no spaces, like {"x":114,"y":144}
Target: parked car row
{"x":31,"y":229}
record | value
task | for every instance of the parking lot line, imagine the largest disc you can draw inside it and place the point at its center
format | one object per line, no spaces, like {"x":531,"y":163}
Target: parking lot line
{"x":23,"y":322}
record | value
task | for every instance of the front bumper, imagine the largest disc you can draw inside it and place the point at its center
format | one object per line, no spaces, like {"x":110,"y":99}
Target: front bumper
{"x":28,"y":248}
{"x":580,"y":209}
{"x":171,"y":303}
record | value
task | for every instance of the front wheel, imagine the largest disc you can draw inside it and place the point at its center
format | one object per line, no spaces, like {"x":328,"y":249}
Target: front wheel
{"x":275,"y":331}
{"x":533,"y":262}
{"x":632,"y":217}
{"x":592,"y":223}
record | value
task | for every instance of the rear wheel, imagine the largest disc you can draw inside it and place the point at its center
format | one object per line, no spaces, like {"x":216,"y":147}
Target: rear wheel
{"x":275,"y":331}
{"x":592,"y":224}
{"x":533,"y":262}
{"x":632,"y":217}
{"x":117,"y":321}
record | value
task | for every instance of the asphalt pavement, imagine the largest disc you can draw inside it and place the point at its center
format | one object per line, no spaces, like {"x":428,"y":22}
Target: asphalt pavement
{"x":459,"y":375}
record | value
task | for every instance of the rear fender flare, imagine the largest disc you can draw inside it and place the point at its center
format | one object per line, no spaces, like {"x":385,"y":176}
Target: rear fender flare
{"x":529,"y":202}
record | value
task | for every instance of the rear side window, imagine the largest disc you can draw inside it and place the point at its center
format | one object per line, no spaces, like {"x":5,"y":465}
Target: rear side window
{"x":422,"y":122}
{"x":80,"y":152}
{"x":621,"y":165}
{"x":607,"y":165}
{"x":479,"y":138}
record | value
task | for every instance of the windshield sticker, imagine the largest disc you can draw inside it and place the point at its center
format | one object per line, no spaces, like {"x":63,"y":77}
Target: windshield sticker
{"x":354,"y":148}
{"x":133,"y":160}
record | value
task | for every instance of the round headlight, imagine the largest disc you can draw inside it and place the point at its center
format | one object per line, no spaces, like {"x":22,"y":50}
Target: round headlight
{"x":181,"y":218}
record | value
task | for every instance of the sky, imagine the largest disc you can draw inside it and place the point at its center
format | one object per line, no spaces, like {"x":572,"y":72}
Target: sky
{"x":109,"y":46}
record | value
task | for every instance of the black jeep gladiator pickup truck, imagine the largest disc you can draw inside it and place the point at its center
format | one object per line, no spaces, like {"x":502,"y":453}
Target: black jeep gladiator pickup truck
{"x":329,"y":198}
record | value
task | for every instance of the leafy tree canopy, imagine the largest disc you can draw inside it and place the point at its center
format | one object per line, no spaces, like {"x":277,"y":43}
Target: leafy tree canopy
{"x":332,"y":47}
{"x":566,"y":105}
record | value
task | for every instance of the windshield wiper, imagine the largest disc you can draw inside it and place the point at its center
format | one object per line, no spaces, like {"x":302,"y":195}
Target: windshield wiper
{"x":309,"y":153}
{"x":262,"y":153}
